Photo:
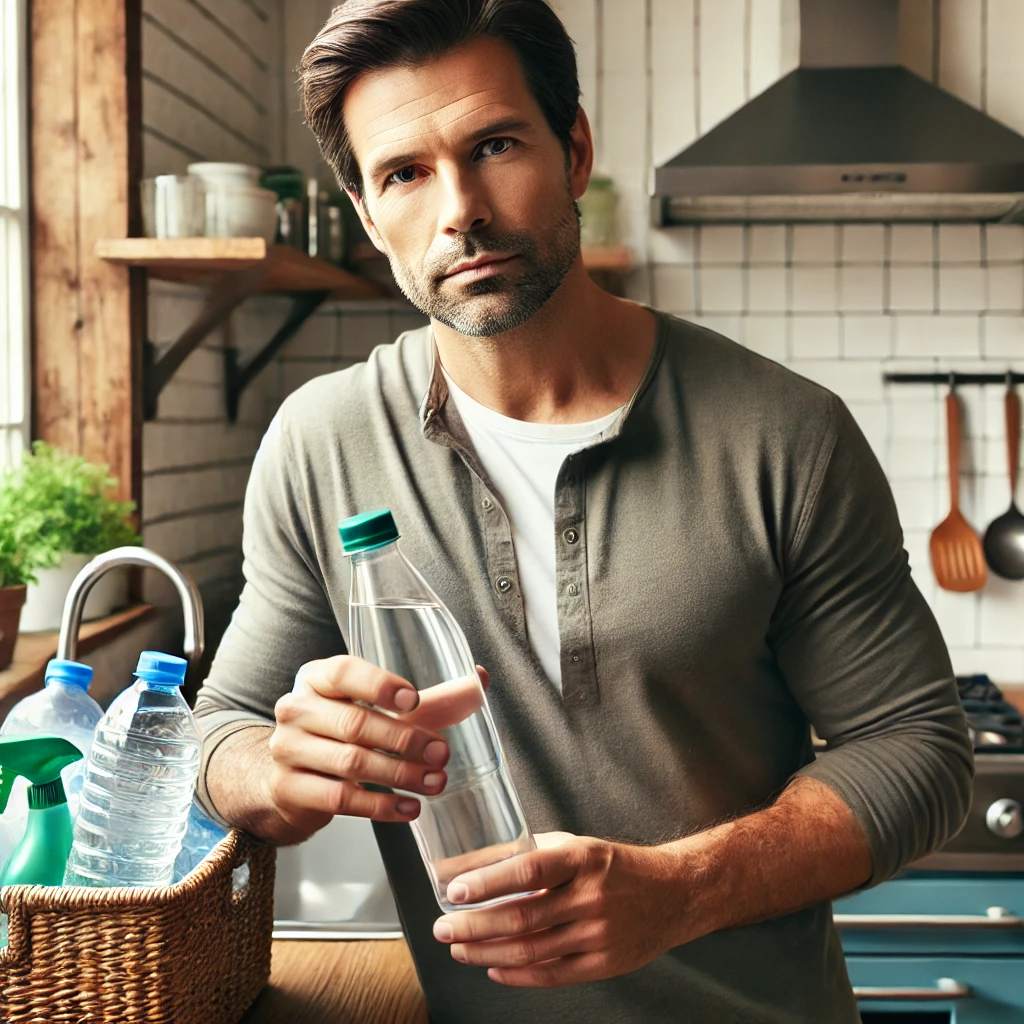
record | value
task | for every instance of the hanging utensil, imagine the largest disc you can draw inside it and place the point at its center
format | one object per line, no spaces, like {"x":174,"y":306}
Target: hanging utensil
{"x":957,"y":556}
{"x":1004,"y":539}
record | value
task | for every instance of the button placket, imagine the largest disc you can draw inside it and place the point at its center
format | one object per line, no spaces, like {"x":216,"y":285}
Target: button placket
{"x":579,"y":681}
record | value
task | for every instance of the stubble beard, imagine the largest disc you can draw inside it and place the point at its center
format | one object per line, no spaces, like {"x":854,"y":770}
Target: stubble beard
{"x":520,"y":294}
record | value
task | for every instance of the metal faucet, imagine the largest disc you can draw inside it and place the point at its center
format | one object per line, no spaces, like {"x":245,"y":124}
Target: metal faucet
{"x":74,"y":603}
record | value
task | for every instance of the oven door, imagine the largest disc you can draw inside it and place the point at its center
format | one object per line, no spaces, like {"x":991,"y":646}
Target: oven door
{"x":938,"y":990}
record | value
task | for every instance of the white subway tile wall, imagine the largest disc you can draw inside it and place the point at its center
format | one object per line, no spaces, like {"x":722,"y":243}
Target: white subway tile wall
{"x":843,"y":304}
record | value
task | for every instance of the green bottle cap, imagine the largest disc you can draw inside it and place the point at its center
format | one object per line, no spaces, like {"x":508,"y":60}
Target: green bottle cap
{"x":367,"y":531}
{"x":40,"y":760}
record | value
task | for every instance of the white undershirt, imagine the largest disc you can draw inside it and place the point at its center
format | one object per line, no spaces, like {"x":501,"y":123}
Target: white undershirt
{"x":522,"y":460}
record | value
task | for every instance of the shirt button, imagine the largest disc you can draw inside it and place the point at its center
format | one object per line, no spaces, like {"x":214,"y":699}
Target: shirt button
{"x":573,"y":590}
{"x":487,"y":504}
{"x":571,"y":536}
{"x":575,"y":657}
{"x":503,"y":584}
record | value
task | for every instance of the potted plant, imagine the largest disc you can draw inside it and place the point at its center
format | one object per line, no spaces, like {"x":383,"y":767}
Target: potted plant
{"x":64,"y":516}
{"x":14,"y":575}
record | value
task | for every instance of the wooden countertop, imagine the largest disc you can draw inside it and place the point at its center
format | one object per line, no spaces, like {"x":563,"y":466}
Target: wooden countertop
{"x":355,"y":982}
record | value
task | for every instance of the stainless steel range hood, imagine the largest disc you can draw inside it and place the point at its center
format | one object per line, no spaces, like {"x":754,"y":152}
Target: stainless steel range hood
{"x":848,"y":136}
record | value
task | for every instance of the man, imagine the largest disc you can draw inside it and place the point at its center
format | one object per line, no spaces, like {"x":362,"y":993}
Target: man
{"x":672,"y":556}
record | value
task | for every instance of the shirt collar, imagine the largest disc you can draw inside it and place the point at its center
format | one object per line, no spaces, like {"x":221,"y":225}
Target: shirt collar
{"x":441,"y":424}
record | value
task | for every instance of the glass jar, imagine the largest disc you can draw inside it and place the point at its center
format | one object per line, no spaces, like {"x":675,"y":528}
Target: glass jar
{"x":173,"y":206}
{"x":599,"y":209}
{"x":289,"y":183}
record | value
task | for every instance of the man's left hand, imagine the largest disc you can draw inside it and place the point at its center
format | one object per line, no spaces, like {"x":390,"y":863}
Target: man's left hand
{"x":604,"y":909}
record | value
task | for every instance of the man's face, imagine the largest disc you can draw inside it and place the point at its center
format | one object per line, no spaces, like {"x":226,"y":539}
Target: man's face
{"x":466,"y":188}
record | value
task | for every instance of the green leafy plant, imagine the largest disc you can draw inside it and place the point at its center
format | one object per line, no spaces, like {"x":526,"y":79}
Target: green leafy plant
{"x":14,"y":569}
{"x":54,"y":503}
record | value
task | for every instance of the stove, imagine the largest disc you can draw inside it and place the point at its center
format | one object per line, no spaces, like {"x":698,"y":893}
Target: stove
{"x":993,"y":837}
{"x":943,"y":942}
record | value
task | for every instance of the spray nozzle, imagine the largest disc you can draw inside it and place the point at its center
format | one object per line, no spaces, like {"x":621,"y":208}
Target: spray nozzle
{"x":40,"y":760}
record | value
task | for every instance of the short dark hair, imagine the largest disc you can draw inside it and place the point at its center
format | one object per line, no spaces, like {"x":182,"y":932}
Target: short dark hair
{"x":369,"y":35}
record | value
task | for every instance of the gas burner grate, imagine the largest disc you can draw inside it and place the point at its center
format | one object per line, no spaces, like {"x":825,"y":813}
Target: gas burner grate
{"x":996,"y":727}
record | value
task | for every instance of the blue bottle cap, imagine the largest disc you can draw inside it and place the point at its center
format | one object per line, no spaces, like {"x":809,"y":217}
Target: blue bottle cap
{"x":73,"y":672}
{"x":161,"y":669}
{"x":367,"y":530}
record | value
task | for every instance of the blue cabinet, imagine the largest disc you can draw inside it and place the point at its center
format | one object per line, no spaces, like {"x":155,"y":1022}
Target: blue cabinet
{"x":960,"y":990}
{"x":932,"y":949}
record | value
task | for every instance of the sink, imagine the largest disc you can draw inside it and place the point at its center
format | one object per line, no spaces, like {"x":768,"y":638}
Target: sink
{"x":333,"y":886}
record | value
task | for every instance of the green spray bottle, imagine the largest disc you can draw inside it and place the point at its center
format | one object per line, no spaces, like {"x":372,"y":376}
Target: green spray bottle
{"x":41,"y":855}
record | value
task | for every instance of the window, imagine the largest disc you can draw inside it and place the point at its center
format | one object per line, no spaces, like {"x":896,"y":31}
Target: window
{"x":14,"y":363}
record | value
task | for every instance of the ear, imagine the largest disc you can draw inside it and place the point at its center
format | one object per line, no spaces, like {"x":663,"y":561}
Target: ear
{"x":581,"y":154}
{"x":364,"y":219}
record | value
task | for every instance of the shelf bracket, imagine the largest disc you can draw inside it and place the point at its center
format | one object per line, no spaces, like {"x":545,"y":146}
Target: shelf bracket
{"x":237,"y":378}
{"x":225,"y":296}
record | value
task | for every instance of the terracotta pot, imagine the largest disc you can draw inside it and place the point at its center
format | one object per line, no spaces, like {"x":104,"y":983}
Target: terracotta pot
{"x":11,"y":600}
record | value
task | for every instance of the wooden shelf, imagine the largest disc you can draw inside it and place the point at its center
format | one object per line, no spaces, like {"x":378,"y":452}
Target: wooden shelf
{"x":236,"y":269}
{"x":619,"y":260}
{"x":33,"y":650}
{"x":205,"y":260}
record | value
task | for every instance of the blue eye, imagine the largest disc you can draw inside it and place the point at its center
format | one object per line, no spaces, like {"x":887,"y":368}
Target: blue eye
{"x":404,"y":176}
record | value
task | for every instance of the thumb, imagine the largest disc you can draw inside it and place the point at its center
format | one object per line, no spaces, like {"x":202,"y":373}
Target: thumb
{"x":485,"y":676}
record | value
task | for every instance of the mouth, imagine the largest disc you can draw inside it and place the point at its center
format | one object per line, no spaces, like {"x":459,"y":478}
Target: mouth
{"x":482,"y":266}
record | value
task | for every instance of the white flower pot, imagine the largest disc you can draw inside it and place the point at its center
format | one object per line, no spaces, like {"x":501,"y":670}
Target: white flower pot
{"x":44,"y":603}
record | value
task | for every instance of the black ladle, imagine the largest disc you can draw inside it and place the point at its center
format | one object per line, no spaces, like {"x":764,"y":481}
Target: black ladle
{"x":1004,"y":539}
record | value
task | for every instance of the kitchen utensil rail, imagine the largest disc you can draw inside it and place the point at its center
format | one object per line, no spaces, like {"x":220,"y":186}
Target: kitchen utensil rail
{"x":953,"y":378}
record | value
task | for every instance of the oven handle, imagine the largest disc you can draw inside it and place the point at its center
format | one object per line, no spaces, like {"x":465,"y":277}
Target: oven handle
{"x":997,"y":919}
{"x":945,"y":988}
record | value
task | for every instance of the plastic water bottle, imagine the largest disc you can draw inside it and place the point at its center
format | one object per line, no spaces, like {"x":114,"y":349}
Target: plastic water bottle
{"x":62,"y":708}
{"x":201,"y":836}
{"x":139,"y":783}
{"x":398,"y":623}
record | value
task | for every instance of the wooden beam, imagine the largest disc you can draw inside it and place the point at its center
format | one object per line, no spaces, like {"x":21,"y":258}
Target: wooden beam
{"x":88,"y":315}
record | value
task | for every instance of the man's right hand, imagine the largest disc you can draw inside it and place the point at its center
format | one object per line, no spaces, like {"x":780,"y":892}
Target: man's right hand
{"x":325,"y":744}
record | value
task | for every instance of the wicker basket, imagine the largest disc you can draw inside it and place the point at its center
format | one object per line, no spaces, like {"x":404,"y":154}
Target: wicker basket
{"x":191,"y":953}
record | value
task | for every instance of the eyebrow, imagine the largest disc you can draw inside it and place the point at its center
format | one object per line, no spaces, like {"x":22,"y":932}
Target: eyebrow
{"x":502,"y":126}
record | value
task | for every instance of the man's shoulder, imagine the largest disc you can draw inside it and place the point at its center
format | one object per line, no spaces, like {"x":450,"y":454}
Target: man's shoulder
{"x":727,"y":379}
{"x":394,"y":376}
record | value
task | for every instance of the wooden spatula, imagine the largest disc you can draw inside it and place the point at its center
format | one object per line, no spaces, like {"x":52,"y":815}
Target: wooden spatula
{"x":958,"y":558}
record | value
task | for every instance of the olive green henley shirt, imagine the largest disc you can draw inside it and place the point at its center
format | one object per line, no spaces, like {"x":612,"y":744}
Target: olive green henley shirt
{"x":730,"y":572}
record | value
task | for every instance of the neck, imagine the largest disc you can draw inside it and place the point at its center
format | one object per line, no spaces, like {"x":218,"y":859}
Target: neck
{"x":577,"y":358}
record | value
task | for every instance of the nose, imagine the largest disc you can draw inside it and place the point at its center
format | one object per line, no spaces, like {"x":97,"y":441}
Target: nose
{"x":465,"y":206}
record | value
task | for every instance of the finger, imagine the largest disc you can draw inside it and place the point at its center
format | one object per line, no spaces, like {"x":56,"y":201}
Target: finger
{"x":534,"y":948}
{"x":355,"y":679}
{"x":485,"y":676}
{"x":306,"y":791}
{"x":365,"y":727}
{"x":547,"y":840}
{"x":354,"y":763}
{"x":566,"y":970}
{"x":447,"y":703}
{"x":525,"y":872}
{"x":513,"y":918}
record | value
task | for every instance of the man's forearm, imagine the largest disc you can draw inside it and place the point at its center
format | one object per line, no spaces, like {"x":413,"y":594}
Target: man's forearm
{"x":236,"y":779}
{"x":804,"y":849}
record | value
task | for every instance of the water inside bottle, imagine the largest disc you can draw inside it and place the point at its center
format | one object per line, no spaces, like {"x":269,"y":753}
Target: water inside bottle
{"x":477,"y":819}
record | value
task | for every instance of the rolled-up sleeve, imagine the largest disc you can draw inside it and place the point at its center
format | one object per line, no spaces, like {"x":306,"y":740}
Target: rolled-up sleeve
{"x":283,"y":618}
{"x":862,"y":654}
